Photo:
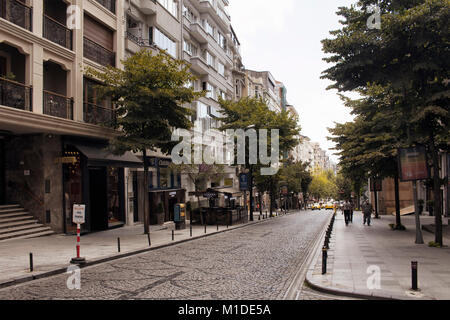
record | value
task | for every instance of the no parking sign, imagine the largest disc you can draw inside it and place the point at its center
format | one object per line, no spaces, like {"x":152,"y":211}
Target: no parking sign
{"x":79,"y":213}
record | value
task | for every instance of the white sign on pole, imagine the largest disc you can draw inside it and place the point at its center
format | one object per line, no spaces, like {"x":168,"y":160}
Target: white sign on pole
{"x":79,"y":213}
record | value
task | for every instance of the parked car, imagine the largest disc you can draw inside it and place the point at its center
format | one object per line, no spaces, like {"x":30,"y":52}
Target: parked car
{"x":329,"y":206}
{"x":316,"y":206}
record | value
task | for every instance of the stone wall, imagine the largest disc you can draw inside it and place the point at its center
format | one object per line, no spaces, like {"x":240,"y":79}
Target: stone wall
{"x":30,"y":161}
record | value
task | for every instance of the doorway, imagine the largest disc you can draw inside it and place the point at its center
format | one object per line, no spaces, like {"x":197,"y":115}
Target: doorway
{"x":2,"y":172}
{"x":98,"y":204}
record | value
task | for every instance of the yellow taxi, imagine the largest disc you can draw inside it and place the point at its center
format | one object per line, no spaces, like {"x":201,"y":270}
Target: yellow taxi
{"x":316,"y":206}
{"x":329,"y":206}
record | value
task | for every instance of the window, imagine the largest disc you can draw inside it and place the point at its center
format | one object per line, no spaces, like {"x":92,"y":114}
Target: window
{"x":208,"y":27}
{"x":222,"y":41}
{"x":163,"y":42}
{"x":221,"y":68}
{"x":210,"y":59}
{"x":171,"y":6}
{"x":190,"y":48}
{"x":210,"y":90}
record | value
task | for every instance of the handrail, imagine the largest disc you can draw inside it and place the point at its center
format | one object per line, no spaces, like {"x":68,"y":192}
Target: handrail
{"x":26,"y":189}
{"x":98,"y":106}
{"x":99,"y":45}
{"x":15,"y":82}
{"x":55,"y":21}
{"x":57,"y":94}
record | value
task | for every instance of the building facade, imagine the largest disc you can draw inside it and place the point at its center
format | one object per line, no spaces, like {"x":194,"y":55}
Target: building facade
{"x":51,"y":136}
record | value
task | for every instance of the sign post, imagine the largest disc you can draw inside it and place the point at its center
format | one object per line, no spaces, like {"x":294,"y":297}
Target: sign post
{"x":79,"y":218}
{"x":413,"y":166}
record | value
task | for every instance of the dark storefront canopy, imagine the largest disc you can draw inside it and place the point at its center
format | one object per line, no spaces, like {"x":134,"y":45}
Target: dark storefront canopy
{"x":98,"y":156}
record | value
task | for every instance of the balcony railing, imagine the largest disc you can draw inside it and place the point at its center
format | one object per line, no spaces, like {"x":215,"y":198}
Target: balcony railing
{"x":17,"y":12}
{"x":57,"y":32}
{"x":99,"y":54}
{"x":58,"y":105}
{"x":96,"y":114}
{"x":15,"y":95}
{"x":108,"y":4}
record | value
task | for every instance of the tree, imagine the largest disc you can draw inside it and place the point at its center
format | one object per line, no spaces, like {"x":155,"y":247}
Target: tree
{"x":409,"y":59}
{"x":323,"y":185}
{"x":254,"y":113}
{"x":150,"y":95}
{"x":297,"y":177}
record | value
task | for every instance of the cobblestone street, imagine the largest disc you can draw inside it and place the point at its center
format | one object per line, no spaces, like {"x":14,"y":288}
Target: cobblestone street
{"x":257,"y":262}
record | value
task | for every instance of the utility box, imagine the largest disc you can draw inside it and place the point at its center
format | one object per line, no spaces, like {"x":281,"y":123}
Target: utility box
{"x":180,"y":216}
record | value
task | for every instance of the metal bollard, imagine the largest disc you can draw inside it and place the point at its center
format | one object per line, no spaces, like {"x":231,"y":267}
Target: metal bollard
{"x":414,"y":271}
{"x":173,"y":235}
{"x":217,"y":227}
{"x":118,"y":244}
{"x":31,"y":262}
{"x":205,"y":228}
{"x":324,"y":260}
{"x":149,"y":240}
{"x":190,"y":229}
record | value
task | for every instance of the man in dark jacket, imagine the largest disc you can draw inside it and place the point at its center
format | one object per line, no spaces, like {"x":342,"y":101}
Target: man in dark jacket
{"x":367,"y":211}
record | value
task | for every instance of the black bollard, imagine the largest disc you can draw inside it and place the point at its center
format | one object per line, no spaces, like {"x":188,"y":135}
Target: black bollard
{"x":190,"y":229}
{"x":324,"y":260}
{"x":217,"y":227}
{"x":205,"y":228}
{"x":118,"y":244}
{"x":414,"y":271}
{"x":31,"y":262}
{"x":149,"y":240}
{"x":173,"y":235}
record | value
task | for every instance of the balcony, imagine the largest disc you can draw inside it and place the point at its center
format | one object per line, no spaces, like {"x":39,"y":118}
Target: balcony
{"x":15,"y":95}
{"x":108,"y":4}
{"x":99,"y":54}
{"x":96,"y":114}
{"x":199,"y":33}
{"x":17,"y":13}
{"x":199,"y":65}
{"x":58,"y":105}
{"x":57,"y":32}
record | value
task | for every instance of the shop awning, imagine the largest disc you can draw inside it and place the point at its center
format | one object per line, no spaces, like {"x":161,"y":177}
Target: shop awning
{"x":232,"y":191}
{"x":98,"y":156}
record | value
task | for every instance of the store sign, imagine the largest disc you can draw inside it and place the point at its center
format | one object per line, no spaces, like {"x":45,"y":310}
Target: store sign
{"x":79,"y":214}
{"x":158,"y":162}
{"x":66,"y":160}
{"x":211,"y":195}
{"x":228,"y":182}
{"x":413,"y":164}
{"x":243,"y":182}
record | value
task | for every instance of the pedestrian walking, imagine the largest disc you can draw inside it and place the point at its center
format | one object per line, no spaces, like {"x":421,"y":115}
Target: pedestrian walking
{"x":367,"y":211}
{"x":347,"y":212}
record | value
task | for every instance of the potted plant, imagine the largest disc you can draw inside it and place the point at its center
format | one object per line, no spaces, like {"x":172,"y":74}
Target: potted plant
{"x":160,"y":214}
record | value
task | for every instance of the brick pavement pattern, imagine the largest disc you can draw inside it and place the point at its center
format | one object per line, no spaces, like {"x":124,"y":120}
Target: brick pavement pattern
{"x":257,"y":263}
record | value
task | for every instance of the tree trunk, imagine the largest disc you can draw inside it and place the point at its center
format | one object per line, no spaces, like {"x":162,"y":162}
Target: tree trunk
{"x":251,"y":193}
{"x":146,"y":206}
{"x":419,"y":236}
{"x":397,"y":201}
{"x":376,"y":205}
{"x":437,"y":195}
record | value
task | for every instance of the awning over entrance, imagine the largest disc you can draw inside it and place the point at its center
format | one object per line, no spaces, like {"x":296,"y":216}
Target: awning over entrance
{"x":232,"y":191}
{"x":101,"y":157}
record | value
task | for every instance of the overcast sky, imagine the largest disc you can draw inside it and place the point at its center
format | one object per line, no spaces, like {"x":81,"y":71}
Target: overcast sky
{"x":283,"y":37}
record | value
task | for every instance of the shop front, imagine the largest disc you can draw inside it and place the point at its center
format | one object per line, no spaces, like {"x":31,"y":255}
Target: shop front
{"x":95,"y":177}
{"x":165,"y":190}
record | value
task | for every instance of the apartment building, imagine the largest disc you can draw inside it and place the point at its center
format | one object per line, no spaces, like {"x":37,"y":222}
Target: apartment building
{"x":263,"y":85}
{"x":52,"y":142}
{"x":200,"y":33}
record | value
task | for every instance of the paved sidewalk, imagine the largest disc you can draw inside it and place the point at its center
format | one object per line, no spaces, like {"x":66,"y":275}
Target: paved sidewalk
{"x":54,"y":252}
{"x":355,"y":248}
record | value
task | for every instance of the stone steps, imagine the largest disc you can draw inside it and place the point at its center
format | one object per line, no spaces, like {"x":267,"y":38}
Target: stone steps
{"x":17,"y":223}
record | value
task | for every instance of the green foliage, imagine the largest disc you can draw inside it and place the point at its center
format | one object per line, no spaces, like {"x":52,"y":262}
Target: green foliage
{"x":150,"y":96}
{"x":323,"y":185}
{"x":297,"y":176}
